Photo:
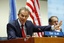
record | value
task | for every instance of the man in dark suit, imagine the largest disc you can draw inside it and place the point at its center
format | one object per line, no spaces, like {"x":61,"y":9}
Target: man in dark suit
{"x":53,"y":20}
{"x":14,"y":28}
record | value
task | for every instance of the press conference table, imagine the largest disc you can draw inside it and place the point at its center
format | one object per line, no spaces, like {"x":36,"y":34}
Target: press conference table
{"x":35,"y":40}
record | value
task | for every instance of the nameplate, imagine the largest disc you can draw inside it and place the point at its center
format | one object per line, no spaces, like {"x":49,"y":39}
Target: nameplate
{"x":50,"y":33}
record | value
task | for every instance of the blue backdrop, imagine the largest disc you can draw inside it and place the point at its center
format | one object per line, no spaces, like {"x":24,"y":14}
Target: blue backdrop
{"x":56,"y":8}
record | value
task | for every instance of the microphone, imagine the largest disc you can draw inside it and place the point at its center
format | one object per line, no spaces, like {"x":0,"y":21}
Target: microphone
{"x":39,"y":29}
{"x":41,"y":33}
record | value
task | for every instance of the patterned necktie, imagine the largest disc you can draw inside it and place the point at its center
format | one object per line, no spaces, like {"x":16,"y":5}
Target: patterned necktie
{"x":23,"y":33}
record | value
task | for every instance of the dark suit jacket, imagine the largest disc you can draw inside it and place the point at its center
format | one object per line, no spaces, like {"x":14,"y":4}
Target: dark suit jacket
{"x":14,"y":31}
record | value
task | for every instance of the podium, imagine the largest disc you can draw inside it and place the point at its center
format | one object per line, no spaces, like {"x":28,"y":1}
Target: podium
{"x":35,"y":40}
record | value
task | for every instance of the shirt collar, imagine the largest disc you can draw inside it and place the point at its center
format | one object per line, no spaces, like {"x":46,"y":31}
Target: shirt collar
{"x":19,"y":22}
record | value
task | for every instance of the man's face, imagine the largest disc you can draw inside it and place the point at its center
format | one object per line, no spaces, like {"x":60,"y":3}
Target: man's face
{"x":54,"y":21}
{"x":23,"y":16}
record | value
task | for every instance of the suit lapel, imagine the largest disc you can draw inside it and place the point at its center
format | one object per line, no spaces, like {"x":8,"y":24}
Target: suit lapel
{"x":18,"y":27}
{"x":27,"y":31}
{"x":28,"y":28}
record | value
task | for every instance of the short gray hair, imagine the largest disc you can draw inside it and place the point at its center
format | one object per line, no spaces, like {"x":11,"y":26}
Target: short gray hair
{"x":23,"y":8}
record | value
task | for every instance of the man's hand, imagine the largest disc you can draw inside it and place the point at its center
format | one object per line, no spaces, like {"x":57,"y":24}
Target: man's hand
{"x":57,"y":27}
